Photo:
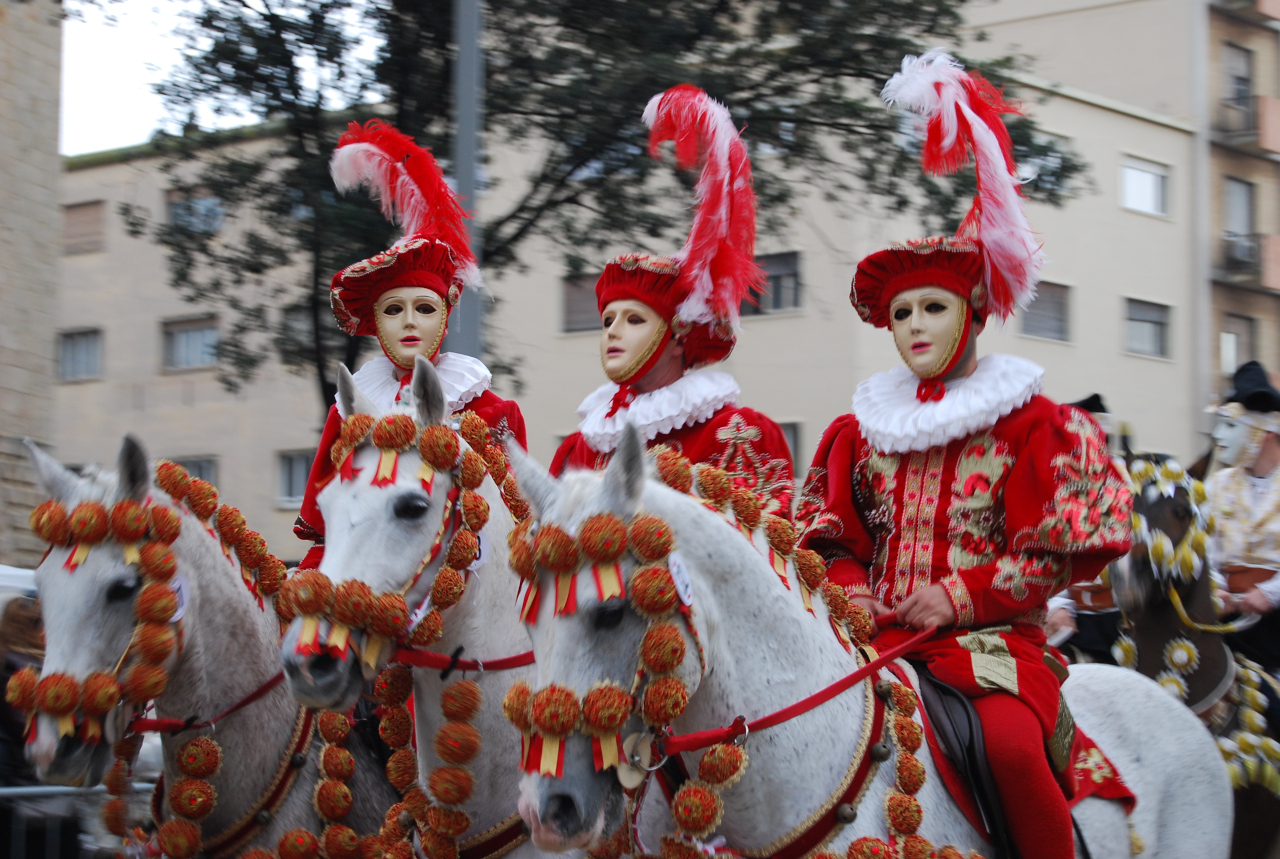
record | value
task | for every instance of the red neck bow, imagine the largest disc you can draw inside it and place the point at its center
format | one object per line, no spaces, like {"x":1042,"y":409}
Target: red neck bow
{"x":626,"y":394}
{"x":931,"y":390}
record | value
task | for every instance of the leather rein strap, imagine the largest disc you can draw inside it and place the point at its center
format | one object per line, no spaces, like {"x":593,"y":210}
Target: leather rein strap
{"x":176,"y":726}
{"x":444,"y":662}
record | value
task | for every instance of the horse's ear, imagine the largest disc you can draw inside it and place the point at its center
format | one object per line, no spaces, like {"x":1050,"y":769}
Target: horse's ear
{"x":428,"y":393}
{"x":134,"y":470}
{"x":624,"y":477}
{"x":56,"y":479}
{"x":536,"y":484}
{"x":351,"y":400}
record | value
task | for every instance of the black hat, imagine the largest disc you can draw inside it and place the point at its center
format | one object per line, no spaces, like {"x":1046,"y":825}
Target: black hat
{"x":1253,"y":389}
{"x":1092,"y":404}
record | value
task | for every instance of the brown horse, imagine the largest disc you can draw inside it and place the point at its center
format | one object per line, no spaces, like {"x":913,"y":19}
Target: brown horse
{"x":1173,"y":636}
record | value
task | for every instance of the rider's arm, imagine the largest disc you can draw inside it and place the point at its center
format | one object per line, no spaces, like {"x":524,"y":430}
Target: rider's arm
{"x":827,"y":516}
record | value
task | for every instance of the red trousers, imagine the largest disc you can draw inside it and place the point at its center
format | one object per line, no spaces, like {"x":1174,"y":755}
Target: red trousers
{"x":1034,"y":806}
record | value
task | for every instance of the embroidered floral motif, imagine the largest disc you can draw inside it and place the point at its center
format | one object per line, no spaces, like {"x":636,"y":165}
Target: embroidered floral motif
{"x":1092,"y":764}
{"x":811,"y":519}
{"x":977,"y":520}
{"x":874,"y":483}
{"x":913,"y":568}
{"x":747,"y":468}
{"x":1015,"y":572}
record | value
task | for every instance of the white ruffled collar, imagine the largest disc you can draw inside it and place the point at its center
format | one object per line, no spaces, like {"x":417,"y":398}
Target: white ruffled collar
{"x":463,"y":378}
{"x":894,"y":421}
{"x":691,"y":399}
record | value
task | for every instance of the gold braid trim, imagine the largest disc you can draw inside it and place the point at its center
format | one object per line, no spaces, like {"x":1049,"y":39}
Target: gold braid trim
{"x":496,"y":829}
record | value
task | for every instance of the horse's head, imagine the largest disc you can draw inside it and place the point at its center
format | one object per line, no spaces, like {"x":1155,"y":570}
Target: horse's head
{"x":405,"y":508}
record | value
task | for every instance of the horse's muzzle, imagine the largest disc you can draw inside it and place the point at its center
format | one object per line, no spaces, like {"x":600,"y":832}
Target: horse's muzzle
{"x":68,"y":760}
{"x":321,"y":680}
{"x":576,"y":812}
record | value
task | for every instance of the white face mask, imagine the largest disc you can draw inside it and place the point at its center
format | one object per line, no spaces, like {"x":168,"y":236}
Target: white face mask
{"x":631,"y":331}
{"x":410,"y":321}
{"x":1236,"y":442}
{"x":927,"y":323}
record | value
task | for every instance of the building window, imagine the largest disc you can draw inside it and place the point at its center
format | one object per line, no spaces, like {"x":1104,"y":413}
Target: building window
{"x":84,"y":228}
{"x":196,"y":213}
{"x":1236,"y":344}
{"x":80,"y":355}
{"x":791,"y":432}
{"x":1144,"y":186}
{"x":782,"y":285}
{"x":1148,"y":328}
{"x":295,"y":467}
{"x":203,"y":467}
{"x":190,"y":343}
{"x":580,"y":313}
{"x":1047,"y":315}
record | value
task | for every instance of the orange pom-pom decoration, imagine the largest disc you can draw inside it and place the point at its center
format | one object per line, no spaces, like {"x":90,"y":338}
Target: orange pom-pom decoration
{"x":352,"y":602}
{"x":522,"y":560}
{"x":200,"y":757}
{"x":21,"y":691}
{"x":192,"y":798}
{"x":337,"y":763}
{"x":428,"y":630}
{"x":284,"y":608}
{"x":173,"y":479}
{"x":665,"y":700}
{"x":605,"y":709}
{"x":394,"y":432}
{"x":950,"y":852}
{"x":437,"y":846}
{"x":910,"y":773}
{"x":497,"y":462}
{"x":860,"y":623}
{"x":115,"y":816}
{"x":310,"y":592}
{"x":202,"y":498}
{"x":554,"y":711}
{"x":354,"y":429}
{"x":811,"y":568}
{"x":917,"y":847}
{"x":650,"y":538}
{"x":837,"y":601}
{"x":674,"y":469}
{"x":474,"y":430}
{"x":57,"y":694}
{"x":904,"y":700}
{"x":722,"y":764}
{"x":389,"y":616}
{"x":416,"y":803}
{"x":298,"y":844}
{"x":447,"y":588}
{"x":340,"y":842}
{"x":448,"y":822}
{"x":179,"y":838}
{"x":603,"y":538}
{"x":652,"y":591}
{"x":156,"y":560}
{"x":89,"y":522}
{"x":515,"y":501}
{"x":334,"y":727}
{"x":456,"y":742}
{"x":116,"y":781}
{"x":251,"y":549}
{"x":230,"y":524}
{"x":869,"y":848}
{"x":371,"y":847}
{"x":129,"y":521}
{"x":166,"y":525}
{"x":908,"y":733}
{"x":50,"y":523}
{"x":519,"y":533}
{"x":127,"y":748}
{"x":903,"y":812}
{"x":332,"y":799}
{"x":155,"y":603}
{"x":696,"y":809}
{"x":714,"y":485}
{"x":471,"y":470}
{"x":402,"y":769}
{"x":393,"y":685}
{"x":746,"y":507}
{"x":673,"y":847}
{"x":515,"y":705}
{"x":462,"y":550}
{"x":662,"y":648}
{"x":475,"y":510}
{"x":100,"y":695}
{"x":781,"y":534}
{"x":461,"y":700}
{"x":396,"y":727}
{"x":155,"y":642}
{"x":271,"y":576}
{"x":397,"y":849}
{"x":439,"y":448}
{"x":143,"y":683}
{"x":450,"y":785}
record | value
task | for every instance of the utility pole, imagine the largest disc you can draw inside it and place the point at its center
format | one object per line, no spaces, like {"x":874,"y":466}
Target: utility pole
{"x":466,"y":322}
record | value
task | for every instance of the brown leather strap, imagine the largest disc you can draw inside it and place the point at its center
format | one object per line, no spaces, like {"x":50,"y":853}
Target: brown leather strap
{"x":1092,"y":597}
{"x":1243,"y":579}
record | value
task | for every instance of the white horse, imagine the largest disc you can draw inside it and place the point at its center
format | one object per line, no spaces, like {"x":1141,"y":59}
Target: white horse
{"x":764,"y":651}
{"x":380,"y":535}
{"x":229,"y":649}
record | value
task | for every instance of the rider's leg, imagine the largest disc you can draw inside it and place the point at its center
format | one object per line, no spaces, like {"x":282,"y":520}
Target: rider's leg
{"x":1034,"y":806}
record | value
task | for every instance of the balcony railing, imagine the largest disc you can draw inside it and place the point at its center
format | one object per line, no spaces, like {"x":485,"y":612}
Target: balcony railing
{"x":1249,"y":260}
{"x":1250,"y":122}
{"x":1238,"y":116}
{"x":1242,"y":254}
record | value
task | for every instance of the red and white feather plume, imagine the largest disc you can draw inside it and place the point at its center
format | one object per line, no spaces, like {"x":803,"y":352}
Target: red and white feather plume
{"x":963,"y":113}
{"x":407,"y":180}
{"x":717,"y":262}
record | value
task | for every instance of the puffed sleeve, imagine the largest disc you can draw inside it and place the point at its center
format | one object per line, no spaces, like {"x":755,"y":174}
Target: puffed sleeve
{"x":515,"y":422}
{"x":564,"y":453}
{"x":828,"y":517}
{"x":309,"y":525}
{"x":1067,"y":512}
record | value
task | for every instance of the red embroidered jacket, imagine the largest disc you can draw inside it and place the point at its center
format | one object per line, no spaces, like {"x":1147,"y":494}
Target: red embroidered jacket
{"x":503,"y":417}
{"x":1002,"y":519}
{"x":743,"y":442}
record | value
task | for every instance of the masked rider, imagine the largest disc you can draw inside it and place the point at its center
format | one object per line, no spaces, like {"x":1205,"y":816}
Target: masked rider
{"x":955,"y":494}
{"x":403,"y":296}
{"x":665,"y":317}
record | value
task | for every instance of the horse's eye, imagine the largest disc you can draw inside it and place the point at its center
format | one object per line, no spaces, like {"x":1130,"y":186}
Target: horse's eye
{"x":122,"y":590}
{"x":411,"y":507}
{"x":609,"y":615}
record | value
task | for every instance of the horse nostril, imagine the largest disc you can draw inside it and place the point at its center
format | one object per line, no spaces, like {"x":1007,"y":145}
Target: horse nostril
{"x":323,"y":663}
{"x":562,"y":815}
